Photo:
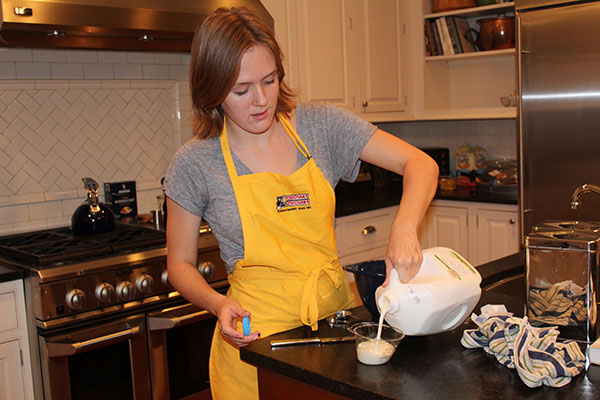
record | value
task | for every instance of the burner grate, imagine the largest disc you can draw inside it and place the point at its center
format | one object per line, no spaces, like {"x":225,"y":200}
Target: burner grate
{"x":60,"y":245}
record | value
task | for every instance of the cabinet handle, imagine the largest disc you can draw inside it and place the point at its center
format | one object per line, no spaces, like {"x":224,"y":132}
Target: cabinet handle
{"x":365,"y":103}
{"x":512,"y":221}
{"x":368,"y":230}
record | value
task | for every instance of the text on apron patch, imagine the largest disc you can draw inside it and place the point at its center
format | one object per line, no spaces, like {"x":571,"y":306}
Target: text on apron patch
{"x":291,"y":202}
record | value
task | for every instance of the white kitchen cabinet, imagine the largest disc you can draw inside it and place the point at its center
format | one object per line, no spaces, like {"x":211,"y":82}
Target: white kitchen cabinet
{"x":445,"y":226}
{"x":497,"y":233}
{"x":481,"y":232}
{"x":462,"y":86}
{"x":351,"y":53}
{"x":364,"y":236}
{"x":15,"y":366}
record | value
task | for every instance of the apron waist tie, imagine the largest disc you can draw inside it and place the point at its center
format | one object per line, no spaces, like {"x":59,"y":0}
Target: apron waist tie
{"x":309,"y":306}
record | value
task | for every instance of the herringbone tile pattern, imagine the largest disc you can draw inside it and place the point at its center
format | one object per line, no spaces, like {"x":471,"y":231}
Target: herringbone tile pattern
{"x":51,"y":138}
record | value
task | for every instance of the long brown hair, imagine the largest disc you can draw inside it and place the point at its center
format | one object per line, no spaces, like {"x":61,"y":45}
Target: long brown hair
{"x":217,"y":50}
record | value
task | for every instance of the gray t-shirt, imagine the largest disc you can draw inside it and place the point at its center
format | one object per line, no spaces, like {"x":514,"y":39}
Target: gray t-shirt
{"x":197,"y":177}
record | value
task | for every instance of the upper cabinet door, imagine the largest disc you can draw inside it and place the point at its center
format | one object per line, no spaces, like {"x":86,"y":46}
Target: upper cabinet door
{"x":381,"y":33}
{"x":325,"y":59}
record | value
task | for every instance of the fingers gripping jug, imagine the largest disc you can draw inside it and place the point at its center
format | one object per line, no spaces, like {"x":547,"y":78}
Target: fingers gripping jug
{"x":439,"y":298}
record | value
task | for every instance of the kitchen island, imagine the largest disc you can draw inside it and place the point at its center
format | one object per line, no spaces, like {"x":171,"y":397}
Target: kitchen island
{"x":427,"y":367}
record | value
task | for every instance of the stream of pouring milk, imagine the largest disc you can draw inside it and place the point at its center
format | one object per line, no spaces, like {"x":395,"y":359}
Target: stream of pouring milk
{"x":375,"y":351}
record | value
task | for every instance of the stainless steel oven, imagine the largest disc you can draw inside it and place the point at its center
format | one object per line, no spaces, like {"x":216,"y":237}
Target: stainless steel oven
{"x":104,"y":361}
{"x":105,"y":321}
{"x":179,"y":339}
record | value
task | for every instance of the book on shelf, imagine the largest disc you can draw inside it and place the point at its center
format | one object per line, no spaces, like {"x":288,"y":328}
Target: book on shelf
{"x":436,"y":38}
{"x":429,"y":40}
{"x":462,"y":26}
{"x":445,"y":36}
{"x":454,"y":35}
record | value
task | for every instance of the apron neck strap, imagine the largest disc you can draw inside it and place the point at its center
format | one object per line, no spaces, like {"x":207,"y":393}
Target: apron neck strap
{"x":294,"y":136}
{"x":289,"y":129}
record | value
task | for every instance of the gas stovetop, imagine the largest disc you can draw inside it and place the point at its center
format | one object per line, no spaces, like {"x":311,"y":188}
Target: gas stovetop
{"x":43,"y":249}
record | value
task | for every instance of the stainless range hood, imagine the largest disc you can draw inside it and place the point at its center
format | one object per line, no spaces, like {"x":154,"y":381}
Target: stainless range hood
{"x":145,"y":25}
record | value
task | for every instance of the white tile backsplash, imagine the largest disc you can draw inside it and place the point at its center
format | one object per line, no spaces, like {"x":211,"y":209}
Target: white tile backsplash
{"x":82,"y":56}
{"x":155,"y":71}
{"x":98,"y":71}
{"x":167,"y":58}
{"x":178,"y":72}
{"x":8,"y":70}
{"x":53,"y":136}
{"x":140,"y":57}
{"x":51,"y":55}
{"x":33,"y":70}
{"x":111,"y":57}
{"x":11,"y":54}
{"x":498,"y":137}
{"x":128,"y":71}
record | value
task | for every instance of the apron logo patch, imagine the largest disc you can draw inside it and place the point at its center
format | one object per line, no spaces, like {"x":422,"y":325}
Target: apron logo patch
{"x":291,"y":202}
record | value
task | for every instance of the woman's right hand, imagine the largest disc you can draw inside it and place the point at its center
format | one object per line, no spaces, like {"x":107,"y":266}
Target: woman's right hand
{"x":229,"y":312}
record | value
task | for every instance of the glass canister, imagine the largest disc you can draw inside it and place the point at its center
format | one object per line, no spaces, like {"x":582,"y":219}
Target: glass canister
{"x":561,"y":278}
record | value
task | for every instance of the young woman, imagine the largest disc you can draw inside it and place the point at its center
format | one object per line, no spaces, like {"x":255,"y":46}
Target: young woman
{"x":262,"y":171}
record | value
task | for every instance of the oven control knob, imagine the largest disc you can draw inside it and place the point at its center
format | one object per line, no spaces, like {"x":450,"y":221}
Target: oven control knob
{"x":125,"y":290}
{"x":144,"y":284}
{"x":75,"y":299}
{"x":105,"y":292}
{"x":207,"y":269}
{"x":164,"y":278}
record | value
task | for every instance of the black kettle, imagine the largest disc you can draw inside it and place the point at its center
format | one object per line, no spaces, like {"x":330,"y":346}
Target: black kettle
{"x":92,"y":216}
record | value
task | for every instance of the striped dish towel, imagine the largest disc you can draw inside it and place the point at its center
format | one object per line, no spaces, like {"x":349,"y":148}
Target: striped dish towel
{"x":534,"y":352}
{"x":562,"y":303}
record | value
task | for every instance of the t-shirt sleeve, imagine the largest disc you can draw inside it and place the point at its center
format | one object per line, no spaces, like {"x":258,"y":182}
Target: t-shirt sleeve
{"x":347,"y":136}
{"x":184,"y":182}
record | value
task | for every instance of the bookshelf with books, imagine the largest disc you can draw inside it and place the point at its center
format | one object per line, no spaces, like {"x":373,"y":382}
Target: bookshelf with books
{"x":458,"y":80}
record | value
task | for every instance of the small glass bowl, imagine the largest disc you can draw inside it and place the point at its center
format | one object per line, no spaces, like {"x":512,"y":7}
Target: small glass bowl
{"x":447,"y":183}
{"x":371,"y":351}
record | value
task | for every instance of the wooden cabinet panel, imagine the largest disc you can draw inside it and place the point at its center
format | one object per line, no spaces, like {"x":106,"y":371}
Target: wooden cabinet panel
{"x":481,"y":232}
{"x":11,"y":377}
{"x":381,"y":70}
{"x":350,"y":54}
{"x":8,"y":310}
{"x":325,"y":58}
{"x":497,"y":234}
{"x":16,"y":381}
{"x":447,"y":227}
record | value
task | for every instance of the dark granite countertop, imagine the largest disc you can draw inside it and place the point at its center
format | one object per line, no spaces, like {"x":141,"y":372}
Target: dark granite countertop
{"x":352,"y":198}
{"x":470,"y":194}
{"x":426,"y":367}
{"x":10,"y":274}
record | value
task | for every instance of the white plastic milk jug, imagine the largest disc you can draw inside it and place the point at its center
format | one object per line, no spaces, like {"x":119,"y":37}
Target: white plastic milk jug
{"x":439,"y":298}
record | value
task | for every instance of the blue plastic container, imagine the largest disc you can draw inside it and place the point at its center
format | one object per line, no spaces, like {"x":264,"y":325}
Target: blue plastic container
{"x":369,"y":275}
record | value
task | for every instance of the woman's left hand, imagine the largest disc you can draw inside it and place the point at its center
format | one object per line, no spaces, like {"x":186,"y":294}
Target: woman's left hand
{"x":403,"y":253}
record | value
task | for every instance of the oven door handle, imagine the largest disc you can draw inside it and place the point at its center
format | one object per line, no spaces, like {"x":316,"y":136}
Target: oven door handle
{"x":62,"y":349}
{"x":157,"y":322}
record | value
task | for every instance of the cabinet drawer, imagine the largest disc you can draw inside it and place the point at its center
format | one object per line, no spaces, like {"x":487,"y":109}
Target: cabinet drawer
{"x":365,"y":231}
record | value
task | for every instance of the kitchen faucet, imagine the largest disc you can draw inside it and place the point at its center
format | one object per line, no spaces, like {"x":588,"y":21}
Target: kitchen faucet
{"x":585,"y":188}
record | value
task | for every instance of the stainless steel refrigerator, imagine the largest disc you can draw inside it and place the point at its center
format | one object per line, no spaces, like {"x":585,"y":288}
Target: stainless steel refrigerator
{"x":558,"y":52}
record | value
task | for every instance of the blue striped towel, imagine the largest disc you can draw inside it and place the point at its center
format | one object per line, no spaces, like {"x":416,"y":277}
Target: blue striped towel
{"x":534,"y":352}
{"x":563,"y":303}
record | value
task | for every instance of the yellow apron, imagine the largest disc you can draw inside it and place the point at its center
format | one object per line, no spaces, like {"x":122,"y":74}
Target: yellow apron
{"x":290,"y":274}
